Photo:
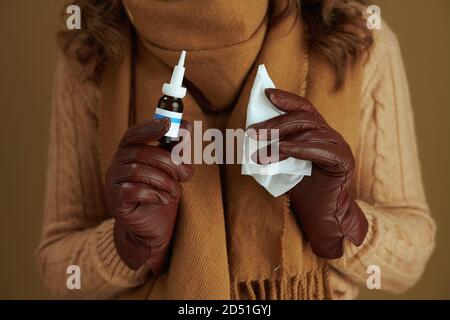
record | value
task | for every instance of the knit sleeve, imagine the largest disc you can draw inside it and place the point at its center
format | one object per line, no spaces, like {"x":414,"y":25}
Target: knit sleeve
{"x":77,"y":230}
{"x":389,"y":186}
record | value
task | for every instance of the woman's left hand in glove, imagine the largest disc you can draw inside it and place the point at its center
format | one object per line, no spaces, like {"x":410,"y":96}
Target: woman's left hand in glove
{"x":326,"y":211}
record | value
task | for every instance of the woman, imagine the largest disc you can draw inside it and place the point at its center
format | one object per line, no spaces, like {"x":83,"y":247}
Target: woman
{"x":139,"y":226}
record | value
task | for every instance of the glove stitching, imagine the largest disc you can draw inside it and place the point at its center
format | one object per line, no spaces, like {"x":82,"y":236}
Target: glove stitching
{"x":292,"y":122}
{"x":145,"y":179}
{"x":145,"y":161}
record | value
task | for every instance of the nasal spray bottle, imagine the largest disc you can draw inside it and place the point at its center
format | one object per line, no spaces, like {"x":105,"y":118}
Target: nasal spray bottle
{"x":171,"y":104}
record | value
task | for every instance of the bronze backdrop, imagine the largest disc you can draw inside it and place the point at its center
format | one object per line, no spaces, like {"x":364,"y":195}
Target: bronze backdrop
{"x":27,"y":55}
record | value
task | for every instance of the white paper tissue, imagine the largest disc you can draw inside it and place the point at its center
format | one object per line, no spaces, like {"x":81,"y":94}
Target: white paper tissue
{"x":277,"y":178}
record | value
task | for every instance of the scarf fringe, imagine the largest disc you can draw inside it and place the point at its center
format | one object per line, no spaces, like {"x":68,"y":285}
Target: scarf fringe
{"x":312,"y":285}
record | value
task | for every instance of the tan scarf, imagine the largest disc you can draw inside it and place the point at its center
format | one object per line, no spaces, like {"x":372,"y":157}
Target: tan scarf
{"x":232,"y":239}
{"x":222,"y":38}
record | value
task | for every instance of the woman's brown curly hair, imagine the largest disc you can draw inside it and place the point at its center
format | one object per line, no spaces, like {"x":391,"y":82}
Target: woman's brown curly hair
{"x":337,"y":31}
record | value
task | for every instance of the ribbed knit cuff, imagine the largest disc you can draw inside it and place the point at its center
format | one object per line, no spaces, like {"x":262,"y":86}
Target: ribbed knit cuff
{"x":108,"y":262}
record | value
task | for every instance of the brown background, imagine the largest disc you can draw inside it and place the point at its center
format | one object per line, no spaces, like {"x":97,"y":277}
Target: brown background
{"x":27,"y":56}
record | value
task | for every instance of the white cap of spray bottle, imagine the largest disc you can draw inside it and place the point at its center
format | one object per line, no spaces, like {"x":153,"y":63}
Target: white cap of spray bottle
{"x":174,"y":88}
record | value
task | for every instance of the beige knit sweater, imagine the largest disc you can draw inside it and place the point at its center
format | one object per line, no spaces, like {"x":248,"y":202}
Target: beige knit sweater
{"x":77,"y":229}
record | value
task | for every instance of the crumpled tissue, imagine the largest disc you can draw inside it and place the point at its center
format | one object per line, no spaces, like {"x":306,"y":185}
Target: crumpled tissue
{"x":277,"y":178}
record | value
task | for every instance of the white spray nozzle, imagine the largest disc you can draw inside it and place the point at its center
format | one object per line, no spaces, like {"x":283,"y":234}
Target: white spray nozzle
{"x":174,"y":88}
{"x":182,"y":58}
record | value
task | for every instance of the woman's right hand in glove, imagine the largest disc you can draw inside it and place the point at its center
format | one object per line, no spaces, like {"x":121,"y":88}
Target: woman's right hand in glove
{"x":142,"y":193}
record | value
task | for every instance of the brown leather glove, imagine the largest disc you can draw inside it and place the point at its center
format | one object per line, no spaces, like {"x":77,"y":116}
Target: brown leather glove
{"x":142,"y":193}
{"x":326,"y":212}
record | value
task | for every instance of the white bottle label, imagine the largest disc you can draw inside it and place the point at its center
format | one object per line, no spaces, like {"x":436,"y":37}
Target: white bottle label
{"x":175,"y":121}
